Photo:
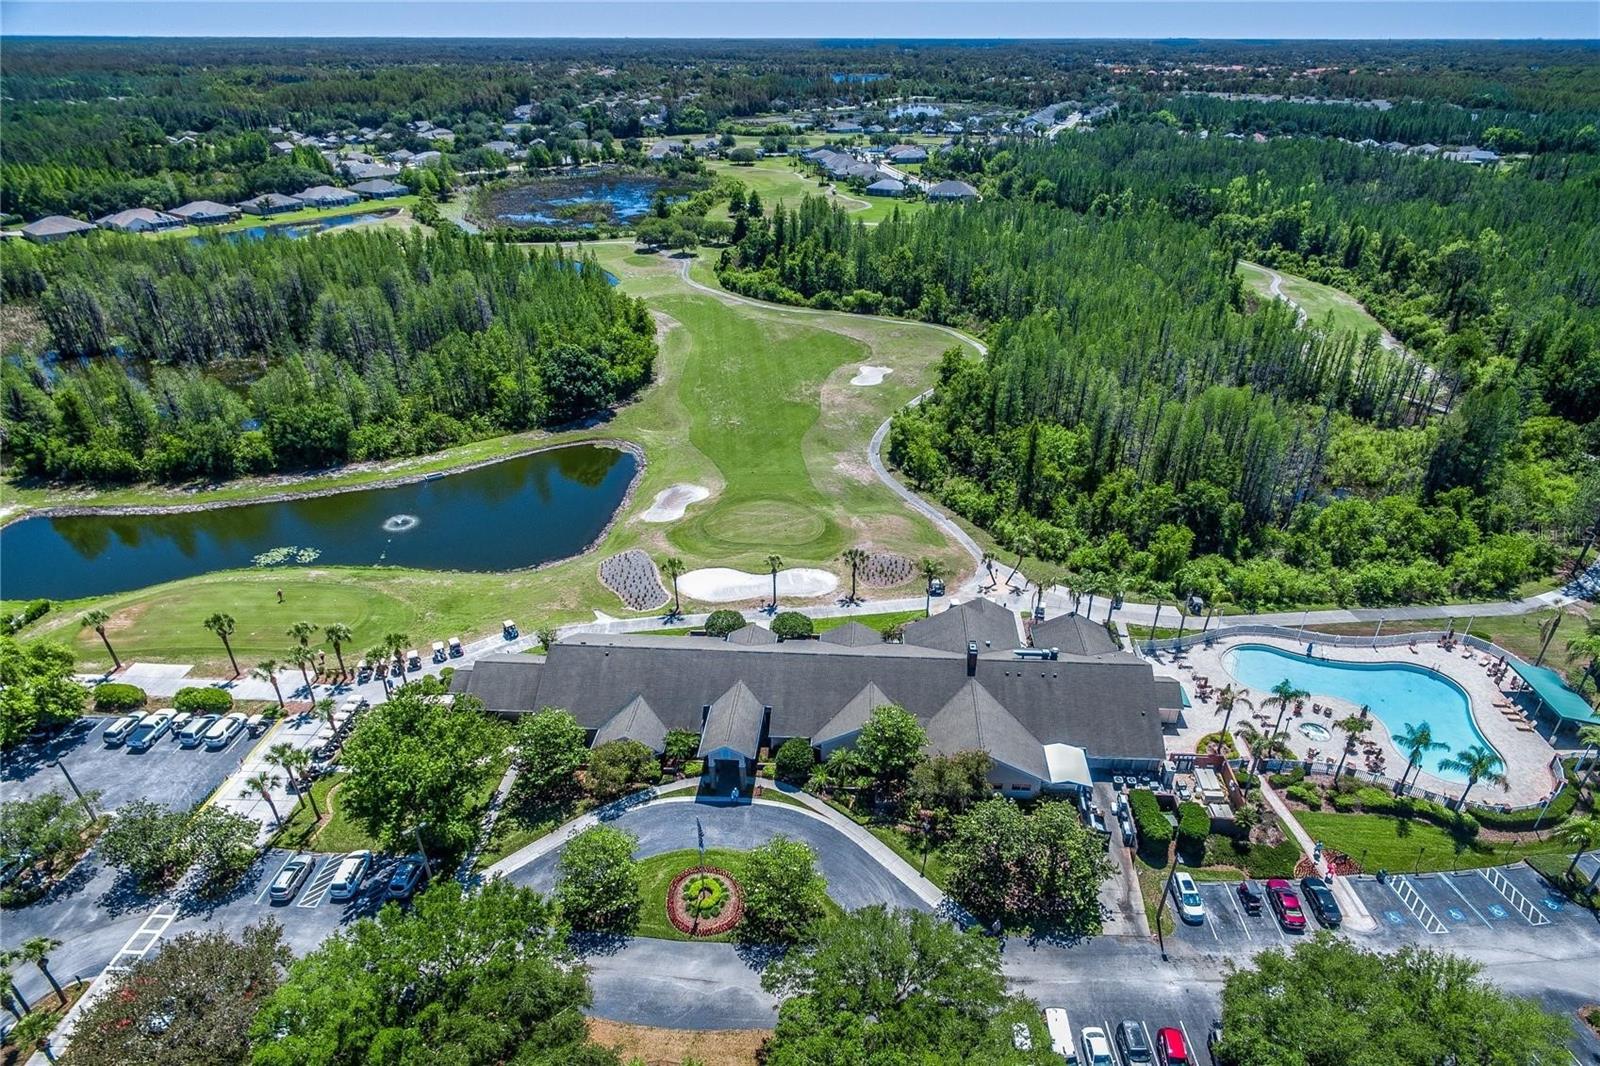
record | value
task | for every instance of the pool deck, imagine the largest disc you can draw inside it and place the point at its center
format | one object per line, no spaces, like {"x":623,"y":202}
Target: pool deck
{"x":1527,"y":755}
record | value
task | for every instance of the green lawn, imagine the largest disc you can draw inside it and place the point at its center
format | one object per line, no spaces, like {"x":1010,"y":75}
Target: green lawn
{"x":1378,"y":841}
{"x":302,"y":832}
{"x":752,"y":402}
{"x":778,"y":180}
{"x":518,"y":827}
{"x":655,"y":878}
{"x":1323,"y":304}
{"x":932,"y":866}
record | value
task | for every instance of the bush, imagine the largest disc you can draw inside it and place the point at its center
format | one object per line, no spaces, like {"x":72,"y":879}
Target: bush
{"x":1194,"y":825}
{"x":203,"y":700}
{"x":721,"y":623}
{"x":115,"y":697}
{"x":1246,"y":779}
{"x":1155,"y":832}
{"x":1523,"y":821}
{"x":793,"y":761}
{"x":791,"y":625}
{"x":1306,"y":794}
{"x":1284,"y":780}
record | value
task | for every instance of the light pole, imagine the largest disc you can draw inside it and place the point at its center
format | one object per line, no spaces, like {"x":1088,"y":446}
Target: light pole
{"x":1166,"y":890}
{"x":88,"y":808}
{"x":416,"y":831}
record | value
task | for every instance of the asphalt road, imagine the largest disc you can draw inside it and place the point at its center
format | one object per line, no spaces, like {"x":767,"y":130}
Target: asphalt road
{"x":854,"y":878}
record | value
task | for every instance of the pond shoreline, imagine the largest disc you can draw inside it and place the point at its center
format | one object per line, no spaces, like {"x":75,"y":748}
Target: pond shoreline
{"x":116,"y":510}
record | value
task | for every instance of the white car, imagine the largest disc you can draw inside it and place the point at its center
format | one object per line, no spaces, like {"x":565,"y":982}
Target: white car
{"x":224,"y":729}
{"x":1096,"y":1047}
{"x":1186,"y":898}
{"x":193,"y":732}
{"x":1060,"y":1029}
{"x":118,"y":731}
{"x":145,"y":735}
{"x":347,"y":878}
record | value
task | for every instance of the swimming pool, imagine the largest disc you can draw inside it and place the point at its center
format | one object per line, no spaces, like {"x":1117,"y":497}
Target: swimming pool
{"x":1398,"y":693}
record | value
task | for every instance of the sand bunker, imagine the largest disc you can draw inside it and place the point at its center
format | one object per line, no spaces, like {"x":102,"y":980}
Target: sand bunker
{"x":720,"y":584}
{"x":871,"y":375}
{"x":670,"y":503}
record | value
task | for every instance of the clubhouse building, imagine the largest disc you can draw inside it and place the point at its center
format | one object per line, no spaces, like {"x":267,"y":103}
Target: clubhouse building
{"x":1047,"y":715}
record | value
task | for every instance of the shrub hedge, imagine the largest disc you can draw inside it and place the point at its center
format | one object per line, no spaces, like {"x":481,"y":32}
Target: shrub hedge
{"x":203,"y":700}
{"x":1306,"y":794}
{"x":1155,"y":832}
{"x":1284,"y":780}
{"x":721,"y":623}
{"x":31,"y":612}
{"x":1194,"y":825}
{"x":115,"y":697}
{"x":788,"y":625}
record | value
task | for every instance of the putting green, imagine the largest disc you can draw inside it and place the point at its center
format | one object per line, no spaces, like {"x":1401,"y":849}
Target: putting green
{"x":762,"y":524}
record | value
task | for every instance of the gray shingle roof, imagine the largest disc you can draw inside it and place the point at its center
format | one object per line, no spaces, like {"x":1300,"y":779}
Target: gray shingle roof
{"x":204,"y":209}
{"x":1106,"y":704}
{"x":1074,"y":635}
{"x":853,"y":634}
{"x":734,"y":723}
{"x":1169,"y":692}
{"x":378,"y":186}
{"x":952,"y":190}
{"x":752,"y":634}
{"x":853,"y":715}
{"x":636,"y":721}
{"x":54,"y":225}
{"x":973,"y":720}
{"x":994,"y":628}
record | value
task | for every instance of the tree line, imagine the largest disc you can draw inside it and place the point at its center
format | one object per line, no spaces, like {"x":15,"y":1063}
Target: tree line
{"x":184,"y":359}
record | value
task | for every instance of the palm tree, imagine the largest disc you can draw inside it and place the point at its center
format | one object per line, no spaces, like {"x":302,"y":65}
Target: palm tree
{"x":1228,"y":698}
{"x":338,"y":635}
{"x":931,"y":572}
{"x":1283,"y":694}
{"x":1587,"y":644}
{"x":97,"y":620}
{"x":1022,"y":544}
{"x":1092,"y":585}
{"x":222,"y":625}
{"x":1416,"y":741}
{"x":1116,"y":585}
{"x":304,"y":658}
{"x":774,"y":563}
{"x":267,"y":670}
{"x":1589,"y":737}
{"x":294,"y":762}
{"x":8,"y":991}
{"x":1479,"y":763}
{"x":855,"y":557}
{"x":37,"y":951}
{"x":301,"y":632}
{"x":398,"y":644}
{"x":1583,"y":833}
{"x":322,"y":710}
{"x":261,"y":782}
{"x":672,"y":566}
{"x":1353,"y":727}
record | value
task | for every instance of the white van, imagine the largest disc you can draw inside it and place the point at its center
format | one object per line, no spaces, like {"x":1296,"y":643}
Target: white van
{"x":347,"y":878}
{"x":1060,"y":1028}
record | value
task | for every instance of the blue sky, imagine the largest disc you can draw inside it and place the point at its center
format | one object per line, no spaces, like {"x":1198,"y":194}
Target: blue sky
{"x":1521,"y":19}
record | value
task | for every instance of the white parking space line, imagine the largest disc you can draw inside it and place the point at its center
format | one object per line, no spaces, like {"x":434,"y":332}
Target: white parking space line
{"x":1188,"y":1044}
{"x":1524,"y":906}
{"x":150,"y":930}
{"x":1233,"y":897}
{"x":1449,"y":881}
{"x":1148,"y":1042}
{"x":318,"y":888}
{"x":1408,"y":895}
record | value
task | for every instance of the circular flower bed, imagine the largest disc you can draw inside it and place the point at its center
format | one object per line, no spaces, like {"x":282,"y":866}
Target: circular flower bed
{"x":704,"y":901}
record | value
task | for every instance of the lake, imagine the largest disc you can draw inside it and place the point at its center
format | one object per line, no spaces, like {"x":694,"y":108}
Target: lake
{"x":579,"y":200}
{"x":505,"y":516}
{"x":302,"y":229}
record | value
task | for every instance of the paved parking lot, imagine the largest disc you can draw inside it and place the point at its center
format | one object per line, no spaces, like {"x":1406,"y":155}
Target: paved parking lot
{"x":167,"y":773}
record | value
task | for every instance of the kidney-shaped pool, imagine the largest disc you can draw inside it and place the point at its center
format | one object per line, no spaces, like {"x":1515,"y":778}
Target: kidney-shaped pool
{"x":504,"y":516}
{"x":1400,"y":694}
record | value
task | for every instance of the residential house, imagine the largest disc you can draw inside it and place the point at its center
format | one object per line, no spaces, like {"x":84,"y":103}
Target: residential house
{"x":952,"y":191}
{"x":327,"y":196}
{"x":368,"y":171}
{"x":908,"y":153}
{"x":270,"y":203}
{"x":205,"y":212}
{"x":379,"y":189}
{"x":53,"y":228}
{"x":139,"y":220}
{"x":886,"y":187}
{"x":661,"y":149}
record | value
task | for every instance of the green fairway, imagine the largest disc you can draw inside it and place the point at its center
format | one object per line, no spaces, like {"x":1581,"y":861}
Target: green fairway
{"x":752,"y":402}
{"x":1322,"y":304}
{"x":1379,"y":841}
{"x":779,"y":181}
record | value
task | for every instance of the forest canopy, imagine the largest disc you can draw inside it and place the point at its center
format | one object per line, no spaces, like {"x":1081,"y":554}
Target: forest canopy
{"x":209,"y":359}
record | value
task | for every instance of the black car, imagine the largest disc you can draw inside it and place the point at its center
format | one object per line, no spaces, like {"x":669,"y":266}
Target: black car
{"x":1320,"y":897}
{"x":1133,"y":1043}
{"x":1250,"y":897}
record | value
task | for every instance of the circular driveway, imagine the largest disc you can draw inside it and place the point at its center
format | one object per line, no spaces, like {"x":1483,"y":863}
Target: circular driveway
{"x":855,"y":879}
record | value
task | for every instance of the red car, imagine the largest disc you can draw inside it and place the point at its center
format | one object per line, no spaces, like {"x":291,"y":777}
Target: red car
{"x":1286,"y":905}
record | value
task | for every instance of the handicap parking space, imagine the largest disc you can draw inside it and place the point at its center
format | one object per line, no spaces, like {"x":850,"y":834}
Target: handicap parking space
{"x":1538,"y":898}
{"x":1394,"y":918}
{"x":167,"y":773}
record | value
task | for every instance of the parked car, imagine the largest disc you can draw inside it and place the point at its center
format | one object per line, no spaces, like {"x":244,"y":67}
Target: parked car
{"x":1249,"y":897}
{"x":194,"y":731}
{"x":347,"y":878}
{"x":1317,"y":893}
{"x":152,"y":729}
{"x":1021,"y":1036}
{"x":293,"y":874}
{"x":1059,"y":1026}
{"x":1132,"y":1042}
{"x":1286,"y":905}
{"x":936,"y":587}
{"x":1096,"y":1048}
{"x":119,"y":731}
{"x":223,"y":730}
{"x":408,"y":875}
{"x":1171,"y":1048}
{"x":1186,"y":899}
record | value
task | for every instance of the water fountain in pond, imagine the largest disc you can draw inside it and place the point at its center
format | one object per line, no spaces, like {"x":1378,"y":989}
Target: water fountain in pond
{"x":401,"y":523}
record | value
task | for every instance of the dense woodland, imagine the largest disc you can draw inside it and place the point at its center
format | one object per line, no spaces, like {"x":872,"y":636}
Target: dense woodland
{"x":1148,"y":423}
{"x":182,"y":359}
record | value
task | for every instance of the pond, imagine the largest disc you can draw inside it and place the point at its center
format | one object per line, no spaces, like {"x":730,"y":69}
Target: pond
{"x":505,"y":516}
{"x":579,"y":200}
